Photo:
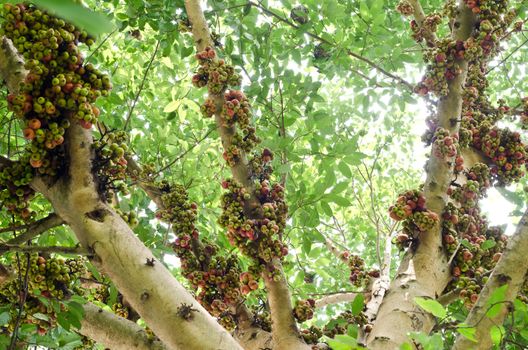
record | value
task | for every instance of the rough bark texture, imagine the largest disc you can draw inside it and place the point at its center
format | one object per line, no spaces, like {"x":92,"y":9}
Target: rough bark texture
{"x":511,"y":271}
{"x":335,"y":299}
{"x":285,"y":332}
{"x":36,"y":228}
{"x":253,"y":338}
{"x":114,"y":332}
{"x":425,"y":272}
{"x":12,"y":68}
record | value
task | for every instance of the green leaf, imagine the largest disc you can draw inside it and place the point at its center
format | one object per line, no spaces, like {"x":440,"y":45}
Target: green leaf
{"x":344,"y":169}
{"x":63,"y":321}
{"x":358,"y":304}
{"x":496,"y":334}
{"x":406,"y":346}
{"x":352,"y":331}
{"x":172,"y":115}
{"x":488,"y":244}
{"x":172,"y":106}
{"x":464,"y":242}
{"x":495,"y":301}
{"x":343,"y":342}
{"x":326,"y":208}
{"x":467,"y":332}
{"x":94,"y":23}
{"x":432,"y":306}
{"x":341,"y":201}
{"x":76,"y":309}
{"x":41,"y":316}
{"x":4,"y":318}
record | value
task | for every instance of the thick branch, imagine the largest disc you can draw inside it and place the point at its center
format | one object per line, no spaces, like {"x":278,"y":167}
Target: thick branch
{"x":425,"y":273}
{"x":419,"y":16}
{"x":285,"y":332}
{"x":150,"y":289}
{"x":34,"y":229}
{"x":511,"y":271}
{"x":335,"y":299}
{"x":12,"y":68}
{"x":114,"y":332}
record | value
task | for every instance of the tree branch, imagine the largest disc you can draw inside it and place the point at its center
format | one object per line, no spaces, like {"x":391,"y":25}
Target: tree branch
{"x":136,"y":98}
{"x":511,"y":271}
{"x":4,"y":248}
{"x":285,"y":331}
{"x":425,"y":272}
{"x":114,"y":332}
{"x":335,"y":299}
{"x":34,"y":229}
{"x":449,"y":297}
{"x":419,"y":16}
{"x":150,"y":289}
{"x":12,"y":68}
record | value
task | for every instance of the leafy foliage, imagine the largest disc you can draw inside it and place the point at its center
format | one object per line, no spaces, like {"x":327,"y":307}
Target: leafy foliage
{"x":346,"y":137}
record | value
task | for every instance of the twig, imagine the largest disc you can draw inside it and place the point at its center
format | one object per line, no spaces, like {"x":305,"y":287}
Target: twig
{"x":33,"y":229}
{"x":507,"y":57}
{"x":141,"y":85}
{"x":101,"y":44}
{"x":4,"y":248}
{"x":196,"y":144}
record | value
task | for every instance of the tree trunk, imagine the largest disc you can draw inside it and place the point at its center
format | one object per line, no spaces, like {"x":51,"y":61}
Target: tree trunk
{"x":425,"y":272}
{"x":170,"y":310}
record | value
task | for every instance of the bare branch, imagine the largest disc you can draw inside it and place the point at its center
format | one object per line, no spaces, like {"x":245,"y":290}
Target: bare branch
{"x":34,"y":229}
{"x":138,"y":93}
{"x":336,"y":299}
{"x":116,"y":333}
